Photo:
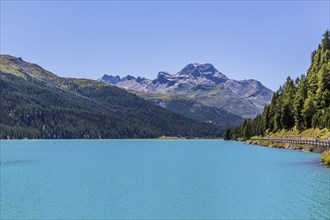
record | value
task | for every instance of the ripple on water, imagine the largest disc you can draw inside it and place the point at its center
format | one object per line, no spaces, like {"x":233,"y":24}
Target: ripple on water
{"x":8,"y":163}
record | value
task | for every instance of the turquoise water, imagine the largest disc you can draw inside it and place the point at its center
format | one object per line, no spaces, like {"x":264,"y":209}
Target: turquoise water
{"x":160,"y":179}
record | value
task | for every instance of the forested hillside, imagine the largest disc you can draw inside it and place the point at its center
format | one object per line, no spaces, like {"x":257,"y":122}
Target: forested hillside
{"x":299,"y":104}
{"x":36,"y":103}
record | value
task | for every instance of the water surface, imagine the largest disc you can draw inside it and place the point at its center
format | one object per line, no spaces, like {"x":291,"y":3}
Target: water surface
{"x":162,"y":179}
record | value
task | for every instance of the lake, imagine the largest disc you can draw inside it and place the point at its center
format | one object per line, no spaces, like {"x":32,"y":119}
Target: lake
{"x":160,"y":179}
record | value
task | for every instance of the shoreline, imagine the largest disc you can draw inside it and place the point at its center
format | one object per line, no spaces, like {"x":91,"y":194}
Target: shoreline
{"x":114,"y":139}
{"x":324,"y":151}
{"x":287,"y":144}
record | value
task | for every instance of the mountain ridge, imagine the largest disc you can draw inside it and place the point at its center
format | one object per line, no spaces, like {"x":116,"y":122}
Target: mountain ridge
{"x":36,"y":104}
{"x":205,"y":84}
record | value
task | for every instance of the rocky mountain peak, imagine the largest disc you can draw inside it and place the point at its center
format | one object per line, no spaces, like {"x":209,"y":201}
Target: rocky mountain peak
{"x":164,"y":74}
{"x":129,"y":77}
{"x":197,"y":70}
{"x":164,"y":78}
{"x":140,"y":79}
{"x":111,"y":79}
{"x":207,"y":85}
{"x":207,"y":68}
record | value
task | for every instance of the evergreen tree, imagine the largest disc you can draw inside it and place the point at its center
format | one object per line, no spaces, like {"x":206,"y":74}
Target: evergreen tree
{"x":323,"y":91}
{"x":265,"y":118}
{"x":248,"y":130}
{"x":326,"y":42}
{"x":227,"y":134}
{"x":308,"y":112}
{"x":299,"y":99}
{"x":287,"y":118}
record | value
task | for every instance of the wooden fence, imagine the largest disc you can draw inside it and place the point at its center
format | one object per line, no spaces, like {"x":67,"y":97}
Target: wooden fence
{"x":311,"y":142}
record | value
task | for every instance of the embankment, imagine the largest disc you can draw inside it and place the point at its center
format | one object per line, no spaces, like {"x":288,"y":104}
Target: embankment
{"x":306,"y":144}
{"x":303,"y":144}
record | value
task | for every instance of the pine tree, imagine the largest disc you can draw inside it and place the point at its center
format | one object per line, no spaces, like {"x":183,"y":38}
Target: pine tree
{"x":227,"y":134}
{"x":287,"y":118}
{"x":326,"y":41}
{"x":308,"y":112}
{"x":323,"y":91}
{"x":299,"y":99}
{"x":265,"y":118}
{"x":247,"y":130}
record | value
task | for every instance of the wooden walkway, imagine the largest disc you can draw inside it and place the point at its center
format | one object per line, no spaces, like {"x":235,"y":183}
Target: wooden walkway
{"x":311,"y":142}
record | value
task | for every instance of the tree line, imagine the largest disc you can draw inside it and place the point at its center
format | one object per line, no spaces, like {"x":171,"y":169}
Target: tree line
{"x":33,"y":109}
{"x":302,"y":103}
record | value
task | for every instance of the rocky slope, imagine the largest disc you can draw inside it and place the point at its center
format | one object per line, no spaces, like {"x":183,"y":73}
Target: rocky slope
{"x":193,"y":109}
{"x":205,"y":84}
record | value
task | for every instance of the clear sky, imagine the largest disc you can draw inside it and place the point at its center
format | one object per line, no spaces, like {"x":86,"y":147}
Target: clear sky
{"x":263,"y":40}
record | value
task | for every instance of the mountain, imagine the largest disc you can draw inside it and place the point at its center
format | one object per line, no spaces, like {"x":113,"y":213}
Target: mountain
{"x":197,"y":111}
{"x":36,"y":103}
{"x":193,"y":109}
{"x":299,"y":104}
{"x":205,"y":84}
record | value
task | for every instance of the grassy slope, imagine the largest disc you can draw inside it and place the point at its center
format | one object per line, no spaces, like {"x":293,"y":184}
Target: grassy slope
{"x":309,"y":133}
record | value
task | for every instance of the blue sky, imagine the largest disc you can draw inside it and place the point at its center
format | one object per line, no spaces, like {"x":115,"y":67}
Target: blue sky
{"x":263,"y":40}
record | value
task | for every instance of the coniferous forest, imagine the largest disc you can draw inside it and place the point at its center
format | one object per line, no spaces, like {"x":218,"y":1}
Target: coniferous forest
{"x":302,"y":103}
{"x":37,"y":104}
